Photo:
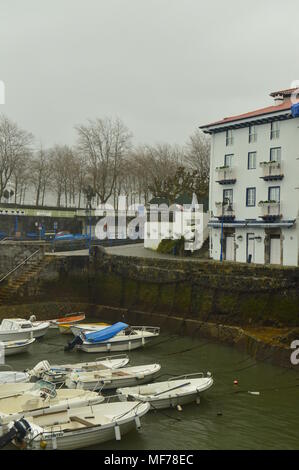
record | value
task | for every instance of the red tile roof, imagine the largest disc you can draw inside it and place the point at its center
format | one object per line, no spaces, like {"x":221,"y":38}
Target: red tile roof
{"x":258,"y":112}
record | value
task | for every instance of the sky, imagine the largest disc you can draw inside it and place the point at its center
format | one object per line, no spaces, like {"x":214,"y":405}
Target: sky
{"x":163,"y":66}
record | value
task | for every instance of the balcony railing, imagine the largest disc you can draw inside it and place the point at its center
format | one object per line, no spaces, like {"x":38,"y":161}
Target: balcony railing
{"x":225,"y":175}
{"x":224,"y":211}
{"x":272,"y":171}
{"x":270,"y":210}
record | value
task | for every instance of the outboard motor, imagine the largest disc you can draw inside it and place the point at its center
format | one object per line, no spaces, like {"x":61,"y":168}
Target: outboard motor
{"x":17,"y":432}
{"x":70,"y":346}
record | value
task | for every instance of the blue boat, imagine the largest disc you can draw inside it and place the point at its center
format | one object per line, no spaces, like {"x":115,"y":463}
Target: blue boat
{"x":105,"y":333}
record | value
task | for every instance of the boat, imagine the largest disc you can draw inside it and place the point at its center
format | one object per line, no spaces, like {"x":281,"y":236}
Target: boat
{"x":171,"y":393}
{"x":16,"y":347}
{"x":111,"y":379}
{"x":115,"y":338}
{"x":71,"y":427}
{"x":69,"y":328}
{"x":12,"y":329}
{"x":69,"y":319}
{"x":59,"y":373}
{"x":42,"y":394}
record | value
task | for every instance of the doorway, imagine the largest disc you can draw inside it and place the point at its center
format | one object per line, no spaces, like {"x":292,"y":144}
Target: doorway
{"x":275,"y":249}
{"x":250,"y":251}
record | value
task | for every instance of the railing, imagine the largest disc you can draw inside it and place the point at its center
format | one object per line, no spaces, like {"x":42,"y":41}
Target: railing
{"x":226,"y":175}
{"x":272,"y":170}
{"x":225,"y":211}
{"x":270,"y":209}
{"x":19,"y":265}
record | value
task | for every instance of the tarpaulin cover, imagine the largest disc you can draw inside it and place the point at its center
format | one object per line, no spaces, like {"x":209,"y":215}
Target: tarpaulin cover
{"x":105,"y":333}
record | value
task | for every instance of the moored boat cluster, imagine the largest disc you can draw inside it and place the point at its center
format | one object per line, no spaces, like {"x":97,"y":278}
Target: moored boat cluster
{"x":66,"y":406}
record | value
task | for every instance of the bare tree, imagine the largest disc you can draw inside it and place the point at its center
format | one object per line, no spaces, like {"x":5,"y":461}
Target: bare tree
{"x":197,"y":158}
{"x":104,"y":143}
{"x":40,"y":175}
{"x":14,"y":145}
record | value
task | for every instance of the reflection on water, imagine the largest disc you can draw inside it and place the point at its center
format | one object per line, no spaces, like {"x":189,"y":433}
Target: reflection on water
{"x":228,"y":417}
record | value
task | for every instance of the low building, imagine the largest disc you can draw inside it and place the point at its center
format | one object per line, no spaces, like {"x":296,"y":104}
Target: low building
{"x":254,"y":198}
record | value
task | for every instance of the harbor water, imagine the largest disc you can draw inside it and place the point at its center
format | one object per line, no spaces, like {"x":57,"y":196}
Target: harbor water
{"x":228,"y":417}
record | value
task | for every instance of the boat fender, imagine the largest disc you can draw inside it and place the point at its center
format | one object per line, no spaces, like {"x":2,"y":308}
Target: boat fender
{"x":108,"y":346}
{"x":143,"y":341}
{"x":54,"y":442}
{"x":179,"y":408}
{"x":43,"y":444}
{"x":140,"y":376}
{"x":117,"y":432}
{"x":197,"y":400}
{"x":137,"y":422}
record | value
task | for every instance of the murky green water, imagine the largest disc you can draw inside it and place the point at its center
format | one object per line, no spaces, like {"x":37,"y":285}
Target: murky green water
{"x":228,"y":417}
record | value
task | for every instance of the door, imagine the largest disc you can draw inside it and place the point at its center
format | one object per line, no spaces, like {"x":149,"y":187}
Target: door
{"x":229,"y":249}
{"x":250,"y":248}
{"x":275,"y":250}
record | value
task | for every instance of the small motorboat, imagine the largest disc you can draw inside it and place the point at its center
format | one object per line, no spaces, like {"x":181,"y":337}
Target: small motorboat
{"x":69,"y":328}
{"x":42,"y":394}
{"x":59,"y":373}
{"x":117,"y":337}
{"x":111,"y":379}
{"x":69,"y":319}
{"x":12,"y":329}
{"x":71,"y":427}
{"x":171,"y":393}
{"x":16,"y":347}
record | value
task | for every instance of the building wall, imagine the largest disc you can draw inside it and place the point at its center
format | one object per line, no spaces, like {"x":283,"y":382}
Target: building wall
{"x":245,"y":178}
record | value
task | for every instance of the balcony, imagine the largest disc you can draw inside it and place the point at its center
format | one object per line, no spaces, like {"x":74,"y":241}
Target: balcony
{"x":224,"y":211}
{"x":225,"y":175}
{"x":270,"y":210}
{"x":272,"y":171}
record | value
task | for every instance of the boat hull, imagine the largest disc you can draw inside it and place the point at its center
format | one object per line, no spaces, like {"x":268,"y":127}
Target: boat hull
{"x":83,"y":438}
{"x":22,"y":335}
{"x":115,"y":383}
{"x":114,"y":346}
{"x":12,"y":350}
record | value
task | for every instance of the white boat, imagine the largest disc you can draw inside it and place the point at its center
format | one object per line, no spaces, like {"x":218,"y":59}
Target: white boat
{"x":171,"y":393}
{"x":126,"y":340}
{"x":72,"y":427}
{"x":59,"y":373}
{"x":16,"y":347}
{"x":110,"y":379}
{"x":27,"y":397}
{"x":12,"y":329}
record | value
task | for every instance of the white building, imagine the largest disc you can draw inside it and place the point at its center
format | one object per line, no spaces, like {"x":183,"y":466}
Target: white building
{"x":254,"y":184}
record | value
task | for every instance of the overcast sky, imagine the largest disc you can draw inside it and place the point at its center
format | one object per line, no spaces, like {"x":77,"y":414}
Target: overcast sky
{"x":163,"y":66}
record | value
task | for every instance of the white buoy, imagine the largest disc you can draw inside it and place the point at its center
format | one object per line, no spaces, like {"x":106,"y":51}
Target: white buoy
{"x":179,"y":408}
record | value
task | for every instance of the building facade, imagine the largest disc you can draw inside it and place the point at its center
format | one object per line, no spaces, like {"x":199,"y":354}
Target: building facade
{"x":254,"y":184}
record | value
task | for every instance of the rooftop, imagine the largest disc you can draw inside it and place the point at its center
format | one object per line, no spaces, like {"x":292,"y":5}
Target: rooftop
{"x":284,"y":105}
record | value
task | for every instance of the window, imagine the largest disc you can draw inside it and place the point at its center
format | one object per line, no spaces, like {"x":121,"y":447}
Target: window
{"x":275,"y":130}
{"x":228,"y":196}
{"x":228,"y":159}
{"x":252,"y":134}
{"x":250,"y":197}
{"x":274,"y":194}
{"x":251,"y":160}
{"x":275,"y":154}
{"x":229,"y":137}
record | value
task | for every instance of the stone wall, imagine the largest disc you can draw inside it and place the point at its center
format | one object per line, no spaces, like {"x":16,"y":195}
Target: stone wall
{"x":13,"y":254}
{"x":229,"y":293}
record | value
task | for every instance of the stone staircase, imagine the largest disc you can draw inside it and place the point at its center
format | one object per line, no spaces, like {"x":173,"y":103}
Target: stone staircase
{"x":15,"y":284}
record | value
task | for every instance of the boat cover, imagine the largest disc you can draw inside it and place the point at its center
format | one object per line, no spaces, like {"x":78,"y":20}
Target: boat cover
{"x":105,"y":333}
